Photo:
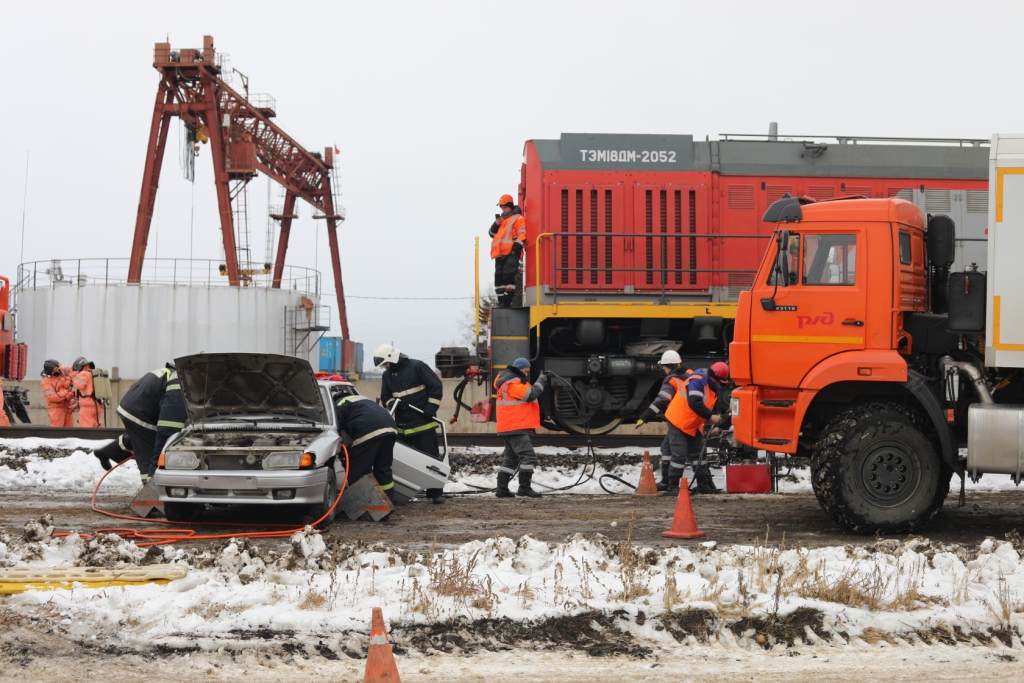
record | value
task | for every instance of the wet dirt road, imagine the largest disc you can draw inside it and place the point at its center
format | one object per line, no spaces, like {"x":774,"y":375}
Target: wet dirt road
{"x":726,"y":518}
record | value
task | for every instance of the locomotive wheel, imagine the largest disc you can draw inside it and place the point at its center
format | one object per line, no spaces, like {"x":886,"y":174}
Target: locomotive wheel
{"x":598,"y":425}
{"x":876,"y":469}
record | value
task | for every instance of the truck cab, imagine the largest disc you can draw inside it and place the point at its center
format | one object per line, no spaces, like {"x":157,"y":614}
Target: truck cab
{"x":859,"y":349}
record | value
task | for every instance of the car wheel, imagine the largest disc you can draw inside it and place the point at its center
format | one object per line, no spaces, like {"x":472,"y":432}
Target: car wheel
{"x":182,"y":512}
{"x":318,"y":510}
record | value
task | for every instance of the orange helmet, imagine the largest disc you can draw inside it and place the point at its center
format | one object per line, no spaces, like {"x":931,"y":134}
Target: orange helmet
{"x":506,"y":199}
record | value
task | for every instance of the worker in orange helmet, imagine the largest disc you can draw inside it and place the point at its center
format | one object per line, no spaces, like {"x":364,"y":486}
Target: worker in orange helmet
{"x":4,"y":422}
{"x":90,"y":410}
{"x":58,"y":394}
{"x":508,"y":237}
{"x":690,"y":403}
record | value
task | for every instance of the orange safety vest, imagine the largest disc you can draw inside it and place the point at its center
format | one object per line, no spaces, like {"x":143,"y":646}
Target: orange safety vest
{"x":513,"y":412}
{"x":512,"y":229}
{"x":679,"y":412}
{"x":4,"y":422}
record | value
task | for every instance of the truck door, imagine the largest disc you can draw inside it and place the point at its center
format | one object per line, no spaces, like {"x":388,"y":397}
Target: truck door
{"x":819,"y":313}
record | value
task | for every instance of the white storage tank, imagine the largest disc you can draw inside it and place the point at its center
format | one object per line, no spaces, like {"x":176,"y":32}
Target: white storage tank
{"x":84,"y":307}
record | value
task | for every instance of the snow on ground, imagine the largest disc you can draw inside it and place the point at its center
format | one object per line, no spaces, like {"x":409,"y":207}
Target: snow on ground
{"x":60,"y":464}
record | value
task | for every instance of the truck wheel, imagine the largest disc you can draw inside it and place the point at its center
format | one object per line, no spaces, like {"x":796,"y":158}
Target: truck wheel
{"x":182,"y":512}
{"x":876,"y":469}
{"x":317,"y":510}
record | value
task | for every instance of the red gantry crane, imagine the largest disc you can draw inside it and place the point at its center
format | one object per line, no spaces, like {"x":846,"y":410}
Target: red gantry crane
{"x":243,"y":142}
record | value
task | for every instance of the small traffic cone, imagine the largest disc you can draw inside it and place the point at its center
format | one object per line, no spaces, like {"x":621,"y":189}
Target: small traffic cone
{"x":684,"y":525}
{"x":646,"y":486}
{"x":380,"y":662}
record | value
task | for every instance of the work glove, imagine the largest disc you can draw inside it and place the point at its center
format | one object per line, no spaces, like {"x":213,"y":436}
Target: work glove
{"x":640,"y":423}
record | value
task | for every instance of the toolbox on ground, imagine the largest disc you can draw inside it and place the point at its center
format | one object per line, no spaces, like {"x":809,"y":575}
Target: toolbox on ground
{"x":748,"y":478}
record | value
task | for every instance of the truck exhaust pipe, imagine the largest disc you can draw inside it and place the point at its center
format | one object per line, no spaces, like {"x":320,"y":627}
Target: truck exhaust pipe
{"x":973,"y":372}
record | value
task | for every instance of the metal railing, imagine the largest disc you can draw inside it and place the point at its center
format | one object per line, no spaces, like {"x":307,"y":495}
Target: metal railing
{"x":186,"y":272}
{"x":659,"y":277}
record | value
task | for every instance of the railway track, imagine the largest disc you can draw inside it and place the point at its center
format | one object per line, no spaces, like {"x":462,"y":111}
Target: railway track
{"x":454,"y":439}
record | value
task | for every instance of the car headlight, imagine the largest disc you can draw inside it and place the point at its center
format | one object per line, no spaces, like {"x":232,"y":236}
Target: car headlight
{"x":180,"y":460}
{"x":734,"y":407}
{"x":282,"y":461}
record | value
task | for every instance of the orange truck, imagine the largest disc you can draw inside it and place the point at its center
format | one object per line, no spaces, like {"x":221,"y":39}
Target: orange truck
{"x":858,"y":348}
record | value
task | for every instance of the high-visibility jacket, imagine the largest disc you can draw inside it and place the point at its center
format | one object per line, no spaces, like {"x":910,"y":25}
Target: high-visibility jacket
{"x":173,"y":414}
{"x":141,"y":403}
{"x":415,"y":385}
{"x":90,"y":413}
{"x":680,"y":413}
{"x":511,"y":230}
{"x":362,"y":419}
{"x":4,"y":422}
{"x":56,"y":391}
{"x":517,"y":408}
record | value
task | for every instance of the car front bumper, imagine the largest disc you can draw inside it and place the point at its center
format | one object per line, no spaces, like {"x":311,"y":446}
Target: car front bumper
{"x":242,"y":487}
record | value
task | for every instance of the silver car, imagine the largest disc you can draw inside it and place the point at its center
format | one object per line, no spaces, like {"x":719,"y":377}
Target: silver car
{"x":262,"y":431}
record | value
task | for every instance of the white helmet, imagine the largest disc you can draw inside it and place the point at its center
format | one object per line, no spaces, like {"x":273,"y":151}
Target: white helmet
{"x":385,"y":353}
{"x":670,"y":358}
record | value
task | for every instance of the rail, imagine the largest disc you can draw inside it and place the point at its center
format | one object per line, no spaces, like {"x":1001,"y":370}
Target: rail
{"x":656,"y":277}
{"x":192,"y":272}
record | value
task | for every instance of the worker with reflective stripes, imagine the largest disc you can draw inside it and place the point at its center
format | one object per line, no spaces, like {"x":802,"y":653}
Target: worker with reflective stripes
{"x":58,"y":394}
{"x":171,"y":420}
{"x":518,"y":416}
{"x":687,"y":401}
{"x":139,"y":410}
{"x":4,"y":420}
{"x":371,"y":433}
{"x":508,"y":237}
{"x":417,"y":391}
{"x":672,"y":367}
{"x":90,"y":410}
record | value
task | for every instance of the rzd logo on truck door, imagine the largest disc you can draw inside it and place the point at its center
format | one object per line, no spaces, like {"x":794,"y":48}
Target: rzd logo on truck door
{"x":826,"y":319}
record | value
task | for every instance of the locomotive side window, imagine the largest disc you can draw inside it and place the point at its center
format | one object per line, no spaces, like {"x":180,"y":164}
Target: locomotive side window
{"x":830,"y":260}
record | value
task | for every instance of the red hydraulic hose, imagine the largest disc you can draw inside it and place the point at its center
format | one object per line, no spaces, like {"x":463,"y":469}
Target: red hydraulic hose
{"x":166,"y":536}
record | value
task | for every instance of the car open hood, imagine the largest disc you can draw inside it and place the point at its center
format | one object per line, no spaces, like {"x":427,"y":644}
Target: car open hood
{"x":218,"y":385}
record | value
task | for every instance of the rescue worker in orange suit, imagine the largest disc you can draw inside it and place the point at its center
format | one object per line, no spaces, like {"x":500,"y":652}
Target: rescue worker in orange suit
{"x":518,"y":416}
{"x":373,"y":433}
{"x":688,"y":402}
{"x":90,"y":410}
{"x":508,"y":237}
{"x":139,"y":411}
{"x":58,"y":393}
{"x":4,"y":422}
{"x":418,"y":391}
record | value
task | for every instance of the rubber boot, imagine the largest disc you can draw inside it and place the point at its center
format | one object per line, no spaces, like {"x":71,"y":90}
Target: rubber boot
{"x":663,"y":484}
{"x":502,"y":491}
{"x":390,"y":493}
{"x":524,"y":486}
{"x":436,"y":495}
{"x":705,"y":483}
{"x":672,"y":489}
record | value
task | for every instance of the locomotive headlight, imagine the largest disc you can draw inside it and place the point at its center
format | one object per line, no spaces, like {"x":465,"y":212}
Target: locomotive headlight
{"x":180,"y":460}
{"x":734,"y":407}
{"x":282,"y":461}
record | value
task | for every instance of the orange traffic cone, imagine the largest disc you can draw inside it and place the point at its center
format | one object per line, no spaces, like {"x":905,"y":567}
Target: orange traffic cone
{"x":684,"y":525}
{"x":647,"y":487}
{"x":380,"y":662}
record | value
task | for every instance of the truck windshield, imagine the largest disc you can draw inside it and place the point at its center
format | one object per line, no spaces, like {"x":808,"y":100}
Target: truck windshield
{"x":830,"y":259}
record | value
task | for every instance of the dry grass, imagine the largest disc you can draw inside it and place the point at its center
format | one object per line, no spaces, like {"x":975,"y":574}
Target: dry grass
{"x":633,"y":570}
{"x":1005,"y":604}
{"x":312,"y":600}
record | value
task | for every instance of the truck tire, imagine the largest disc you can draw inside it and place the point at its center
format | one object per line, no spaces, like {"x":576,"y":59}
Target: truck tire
{"x":317,"y":510}
{"x":876,"y":468}
{"x":182,"y":512}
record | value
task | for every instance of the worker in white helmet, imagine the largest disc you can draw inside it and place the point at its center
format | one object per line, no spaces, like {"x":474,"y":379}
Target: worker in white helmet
{"x":418,"y":391}
{"x":671,"y":365}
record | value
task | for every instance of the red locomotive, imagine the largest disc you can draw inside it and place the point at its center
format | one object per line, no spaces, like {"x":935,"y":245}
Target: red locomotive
{"x":642,"y":243}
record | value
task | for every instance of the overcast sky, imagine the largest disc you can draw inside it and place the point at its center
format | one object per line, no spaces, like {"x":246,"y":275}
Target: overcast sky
{"x":430,"y":104}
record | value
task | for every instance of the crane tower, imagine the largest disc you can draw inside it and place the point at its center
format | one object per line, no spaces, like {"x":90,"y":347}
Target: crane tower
{"x":243,"y":142}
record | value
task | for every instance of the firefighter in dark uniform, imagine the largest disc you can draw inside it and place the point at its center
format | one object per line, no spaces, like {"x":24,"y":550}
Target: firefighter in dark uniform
{"x":418,"y":391}
{"x":373,"y":433}
{"x":139,"y":410}
{"x":117,"y":450}
{"x":171,"y":419}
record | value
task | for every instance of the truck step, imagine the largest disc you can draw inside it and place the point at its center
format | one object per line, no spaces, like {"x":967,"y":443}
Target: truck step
{"x":774,"y":442}
{"x":778,"y":402}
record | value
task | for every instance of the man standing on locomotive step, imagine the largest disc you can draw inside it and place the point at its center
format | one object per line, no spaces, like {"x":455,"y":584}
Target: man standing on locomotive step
{"x":418,"y":391}
{"x":508,"y":237}
{"x":687,"y":402}
{"x":518,"y":416}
